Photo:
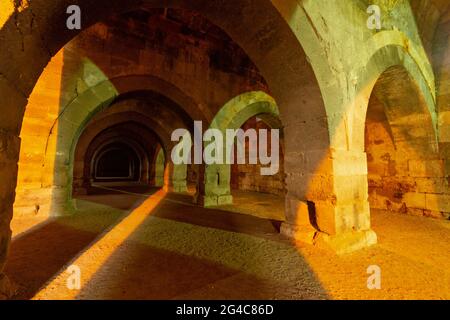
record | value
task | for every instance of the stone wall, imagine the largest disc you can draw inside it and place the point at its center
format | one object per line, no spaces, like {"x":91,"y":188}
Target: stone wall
{"x":401,"y":179}
{"x":247,"y":177}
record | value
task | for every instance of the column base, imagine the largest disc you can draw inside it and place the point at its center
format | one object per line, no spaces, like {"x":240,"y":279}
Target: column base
{"x":214,"y":201}
{"x":340,"y":243}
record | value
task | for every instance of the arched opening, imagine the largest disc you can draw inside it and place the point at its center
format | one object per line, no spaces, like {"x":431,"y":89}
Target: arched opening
{"x":405,"y":172}
{"x":101,"y":132}
{"x":252,"y":133}
{"x":249,"y":185}
{"x":116,"y":162}
{"x":199,"y":55}
{"x":246,"y":177}
{"x":275,"y":63}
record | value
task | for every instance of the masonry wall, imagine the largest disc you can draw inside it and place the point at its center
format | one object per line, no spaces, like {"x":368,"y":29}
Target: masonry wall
{"x":247,"y":177}
{"x":401,"y":179}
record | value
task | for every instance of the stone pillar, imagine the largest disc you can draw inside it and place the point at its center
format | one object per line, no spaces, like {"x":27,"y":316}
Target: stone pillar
{"x":177,"y":175}
{"x":59,"y":186}
{"x":179,"y":178}
{"x":159,"y":179}
{"x":216,"y":188}
{"x":327,"y":202}
{"x":159,"y":168}
{"x":9,"y":154}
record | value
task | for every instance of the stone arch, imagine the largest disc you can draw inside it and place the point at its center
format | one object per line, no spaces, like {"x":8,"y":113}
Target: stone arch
{"x":440,"y":56}
{"x":141,"y":83}
{"x":57,"y":164}
{"x":55,"y":155}
{"x":121,"y":112}
{"x":400,"y":98}
{"x":124,"y":117}
{"x":177,"y":173}
{"x":233,"y":115}
{"x":386,"y":61}
{"x":269,"y":39}
{"x":74,"y":117}
{"x":107,"y":146}
{"x":102,"y":132}
{"x":261,"y":28}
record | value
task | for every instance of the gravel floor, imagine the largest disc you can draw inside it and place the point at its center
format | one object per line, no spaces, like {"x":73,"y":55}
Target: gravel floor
{"x":183,"y":251}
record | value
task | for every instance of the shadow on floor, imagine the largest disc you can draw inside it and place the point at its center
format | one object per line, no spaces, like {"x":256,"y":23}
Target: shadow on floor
{"x":190,"y":252}
{"x":38,"y":255}
{"x":143,"y":272}
{"x":166,"y":259}
{"x":171,"y":255}
{"x":218,"y":219}
{"x":179,"y":207}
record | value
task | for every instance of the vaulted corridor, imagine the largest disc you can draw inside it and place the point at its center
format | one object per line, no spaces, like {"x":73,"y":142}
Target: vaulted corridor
{"x":209,"y":149}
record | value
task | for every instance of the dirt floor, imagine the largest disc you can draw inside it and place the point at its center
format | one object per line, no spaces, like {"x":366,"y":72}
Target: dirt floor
{"x":143,"y":244}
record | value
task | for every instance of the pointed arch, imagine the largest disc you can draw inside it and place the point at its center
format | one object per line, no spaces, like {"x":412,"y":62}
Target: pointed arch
{"x":233,"y":115}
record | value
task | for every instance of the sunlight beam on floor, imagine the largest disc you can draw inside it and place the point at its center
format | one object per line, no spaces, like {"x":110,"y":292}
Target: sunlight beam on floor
{"x":95,"y":256}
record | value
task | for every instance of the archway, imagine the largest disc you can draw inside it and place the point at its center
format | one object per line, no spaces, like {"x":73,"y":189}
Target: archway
{"x":405,"y":171}
{"x":116,"y":162}
{"x":136,"y":135}
{"x":217,"y":189}
{"x":278,"y":54}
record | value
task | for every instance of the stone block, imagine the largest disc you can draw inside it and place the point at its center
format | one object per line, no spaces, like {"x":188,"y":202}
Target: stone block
{"x":426,"y":168}
{"x":415,"y":212}
{"x":437,"y":202}
{"x":346,"y":163}
{"x":325,"y":216}
{"x":433,"y":214}
{"x":347,"y":242}
{"x":297,"y":211}
{"x":224,"y":200}
{"x":352,"y":217}
{"x":303,"y":233}
{"x":414,"y":200}
{"x":350,"y":188}
{"x":432,"y":185}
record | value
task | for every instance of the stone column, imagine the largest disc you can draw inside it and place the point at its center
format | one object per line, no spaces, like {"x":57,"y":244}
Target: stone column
{"x":327,"y":201}
{"x":216,"y":188}
{"x":176,"y":178}
{"x":9,"y":154}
